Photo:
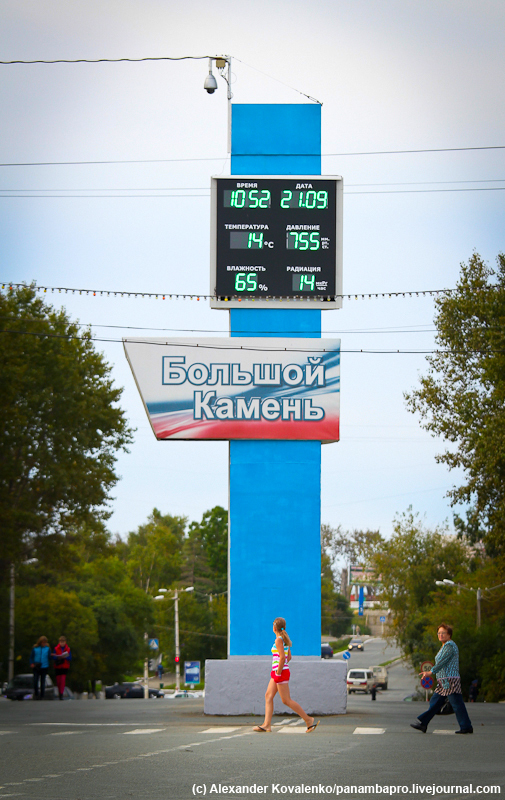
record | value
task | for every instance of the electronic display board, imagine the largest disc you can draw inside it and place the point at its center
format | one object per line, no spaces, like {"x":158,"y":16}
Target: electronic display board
{"x":276,"y":240}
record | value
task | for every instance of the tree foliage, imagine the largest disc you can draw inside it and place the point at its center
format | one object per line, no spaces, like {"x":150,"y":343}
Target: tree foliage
{"x":153,"y":553}
{"x":462,"y":398}
{"x":336,"y":614}
{"x":354,"y":547}
{"x":99,"y":593}
{"x":61,"y":426}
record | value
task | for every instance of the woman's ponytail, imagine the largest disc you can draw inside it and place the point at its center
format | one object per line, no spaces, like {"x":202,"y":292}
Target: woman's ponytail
{"x":280,"y":627}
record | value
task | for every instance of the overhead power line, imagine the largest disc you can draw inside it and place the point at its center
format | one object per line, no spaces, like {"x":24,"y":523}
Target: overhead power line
{"x":106,"y":60}
{"x":206,"y":188}
{"x":249,"y":348}
{"x":223,"y":158}
{"x":207,"y":195}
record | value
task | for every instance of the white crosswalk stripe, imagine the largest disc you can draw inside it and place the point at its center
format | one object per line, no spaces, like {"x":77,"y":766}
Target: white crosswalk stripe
{"x":366,"y":731}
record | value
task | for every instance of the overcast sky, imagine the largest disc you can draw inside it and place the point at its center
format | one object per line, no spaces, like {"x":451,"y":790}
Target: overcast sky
{"x":395,"y":75}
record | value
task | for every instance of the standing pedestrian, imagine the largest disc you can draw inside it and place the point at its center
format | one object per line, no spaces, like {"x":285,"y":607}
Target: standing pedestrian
{"x":473,"y":691}
{"x":446,"y":670}
{"x":279,"y":681}
{"x":62,"y":657}
{"x":39,"y":662}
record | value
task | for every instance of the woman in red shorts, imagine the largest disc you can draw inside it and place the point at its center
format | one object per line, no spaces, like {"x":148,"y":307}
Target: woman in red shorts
{"x":279,"y":681}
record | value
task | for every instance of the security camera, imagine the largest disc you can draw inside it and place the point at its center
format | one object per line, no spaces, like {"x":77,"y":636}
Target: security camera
{"x":210,"y":84}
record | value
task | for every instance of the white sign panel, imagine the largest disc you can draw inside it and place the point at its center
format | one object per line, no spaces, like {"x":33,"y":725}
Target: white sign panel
{"x":238,"y":388}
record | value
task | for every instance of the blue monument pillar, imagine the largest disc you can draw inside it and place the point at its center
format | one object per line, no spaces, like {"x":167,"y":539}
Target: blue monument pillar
{"x":275,"y":486}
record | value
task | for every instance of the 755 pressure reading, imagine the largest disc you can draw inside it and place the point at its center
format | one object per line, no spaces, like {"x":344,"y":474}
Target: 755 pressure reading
{"x":303,"y":240}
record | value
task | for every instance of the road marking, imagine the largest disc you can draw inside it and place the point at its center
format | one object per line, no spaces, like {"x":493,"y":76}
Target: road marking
{"x":221,"y":730}
{"x":128,"y":759}
{"x":444,"y":732}
{"x":143,"y":730}
{"x":297,"y":722}
{"x":88,"y":724}
{"x":66,"y":733}
{"x":290,"y":729}
{"x":284,"y":722}
{"x":369,"y":730}
{"x":2,"y":733}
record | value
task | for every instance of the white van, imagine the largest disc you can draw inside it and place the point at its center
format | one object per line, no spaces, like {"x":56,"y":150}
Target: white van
{"x":360,"y":680}
{"x":381,"y":676}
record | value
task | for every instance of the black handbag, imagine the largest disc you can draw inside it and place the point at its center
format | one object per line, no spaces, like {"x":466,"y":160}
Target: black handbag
{"x":446,"y":709}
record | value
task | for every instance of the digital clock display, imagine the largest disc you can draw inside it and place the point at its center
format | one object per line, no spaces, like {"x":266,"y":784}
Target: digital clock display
{"x":276,"y":238}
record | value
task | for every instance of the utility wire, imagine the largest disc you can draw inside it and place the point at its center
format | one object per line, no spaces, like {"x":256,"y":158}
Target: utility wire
{"x":125,"y":161}
{"x":137,"y":196}
{"x":206,"y":188}
{"x":390,"y":331}
{"x":308,"y":96}
{"x":242,"y":348}
{"x":107,"y":60}
{"x":223,"y":158}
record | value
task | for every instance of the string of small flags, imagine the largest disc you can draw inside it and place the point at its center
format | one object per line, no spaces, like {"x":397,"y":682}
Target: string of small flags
{"x":177,"y":296}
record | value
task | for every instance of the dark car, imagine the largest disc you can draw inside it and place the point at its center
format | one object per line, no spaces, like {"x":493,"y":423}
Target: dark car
{"x":118,"y":690}
{"x":326,"y":651}
{"x":356,"y":644}
{"x":21,"y":688}
{"x":137,"y":692}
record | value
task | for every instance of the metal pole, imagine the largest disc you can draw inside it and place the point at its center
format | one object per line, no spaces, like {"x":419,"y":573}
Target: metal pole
{"x":479,"y":597}
{"x":12,"y":598}
{"x":146,"y":672}
{"x":177,"y":648}
{"x":229,"y":96}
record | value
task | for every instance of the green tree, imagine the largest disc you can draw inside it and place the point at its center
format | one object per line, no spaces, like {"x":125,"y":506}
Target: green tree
{"x":122,"y":612}
{"x":336,"y":613}
{"x":51,"y":611}
{"x":61,"y":426}
{"x":410,"y":563}
{"x":214,"y":532}
{"x":462,"y":398}
{"x":355,"y":547}
{"x":153,"y":553}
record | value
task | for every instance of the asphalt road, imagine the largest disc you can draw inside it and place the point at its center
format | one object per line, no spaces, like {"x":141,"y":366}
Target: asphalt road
{"x":169,"y":750}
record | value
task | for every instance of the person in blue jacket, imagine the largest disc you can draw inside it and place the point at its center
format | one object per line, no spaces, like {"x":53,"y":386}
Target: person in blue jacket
{"x":446,"y":670}
{"x":39,"y":662}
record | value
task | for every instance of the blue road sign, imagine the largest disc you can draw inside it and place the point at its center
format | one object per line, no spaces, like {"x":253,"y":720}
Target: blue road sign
{"x":346,"y":655}
{"x":427,"y":682}
{"x":382,"y":619}
{"x":361,"y":601}
{"x":154,"y":644}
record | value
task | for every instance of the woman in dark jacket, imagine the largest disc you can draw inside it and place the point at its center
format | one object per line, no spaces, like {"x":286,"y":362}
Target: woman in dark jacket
{"x":39,"y":662}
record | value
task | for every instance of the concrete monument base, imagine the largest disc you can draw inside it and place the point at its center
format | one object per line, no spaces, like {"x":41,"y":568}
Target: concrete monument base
{"x":237,"y":686}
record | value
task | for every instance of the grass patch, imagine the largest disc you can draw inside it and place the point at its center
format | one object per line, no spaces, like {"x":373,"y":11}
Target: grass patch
{"x":340,"y":645}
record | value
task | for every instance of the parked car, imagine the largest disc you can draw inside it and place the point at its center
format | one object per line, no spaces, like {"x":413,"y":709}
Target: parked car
{"x":21,"y":688}
{"x":117,"y":690}
{"x":137,"y":692}
{"x":356,"y":644}
{"x":360,"y":680}
{"x":381,"y":676}
{"x":326,"y":651}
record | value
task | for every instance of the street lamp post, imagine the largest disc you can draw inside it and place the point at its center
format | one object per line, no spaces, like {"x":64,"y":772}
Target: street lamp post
{"x":175,"y":598}
{"x":478,"y":593}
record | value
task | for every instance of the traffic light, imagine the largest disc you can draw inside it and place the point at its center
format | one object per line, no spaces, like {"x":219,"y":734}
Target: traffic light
{"x":177,"y":659}
{"x":150,"y":665}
